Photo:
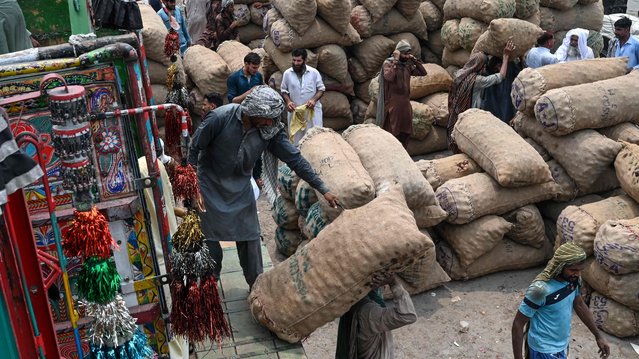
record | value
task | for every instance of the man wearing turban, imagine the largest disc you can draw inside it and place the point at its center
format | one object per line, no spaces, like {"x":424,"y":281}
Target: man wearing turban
{"x":548,"y":305}
{"x":230,"y":140}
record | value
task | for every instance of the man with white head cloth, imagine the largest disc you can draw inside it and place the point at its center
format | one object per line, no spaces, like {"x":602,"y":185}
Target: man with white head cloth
{"x":575,"y":47}
{"x":230,"y":141}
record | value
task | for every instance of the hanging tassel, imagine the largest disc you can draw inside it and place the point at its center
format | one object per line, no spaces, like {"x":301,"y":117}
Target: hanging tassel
{"x":136,"y":348}
{"x":89,"y":236}
{"x":218,"y":327}
{"x":184,"y":182}
{"x":112,"y":323}
{"x":189,"y":236}
{"x":188,"y":318}
{"x":98,"y":280}
{"x":192,"y":265}
{"x":171,"y":43}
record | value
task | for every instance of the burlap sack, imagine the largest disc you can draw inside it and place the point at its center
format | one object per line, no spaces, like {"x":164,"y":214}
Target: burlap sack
{"x":628,"y":132}
{"x":250,"y":32}
{"x":242,"y":14}
{"x":596,"y":42}
{"x":305,"y":197}
{"x":386,"y":161}
{"x":594,"y":105}
{"x":558,"y":4}
{"x":429,"y":216}
{"x":522,"y":33}
{"x":394,"y":22}
{"x":506,"y":255}
{"x":588,"y":17}
{"x":567,"y":189}
{"x":338,"y":123}
{"x":340,"y":168}
{"x":472,"y":240}
{"x":607,"y":181}
{"x":435,"y":43}
{"x":528,"y":226}
{"x":287,"y":182}
{"x":456,"y":58}
{"x":316,"y":220}
{"x":441,"y":170}
{"x":356,"y":70}
{"x":158,"y":71}
{"x":361,"y":91}
{"x":499,"y":150}
{"x":435,"y":141}
{"x":378,"y":8}
{"x":422,"y":120}
{"x":287,"y":241}
{"x":477,"y":195}
{"x":345,"y":87}
{"x":318,"y":34}
{"x":257,"y":15}
{"x":450,"y":34}
{"x":542,"y":151}
{"x":596,"y":152}
{"x":361,"y":20}
{"x":299,"y":14}
{"x":433,"y":17}
{"x":337,"y":13}
{"x":275,"y":81}
{"x":197,"y":100}
{"x":371,"y":111}
{"x":285,"y":213}
{"x":586,"y":2}
{"x":358,"y":109}
{"x":627,"y":169}
{"x":530,"y":84}
{"x":425,"y":274}
{"x":416,"y":47}
{"x":233,"y":52}
{"x":483,"y":10}
{"x":552,"y":209}
{"x":524,"y":9}
{"x":407,"y":7}
{"x":159,"y":96}
{"x":429,"y":57}
{"x":469,"y":32}
{"x":614,"y":318}
{"x":313,"y":287}
{"x":436,"y":80}
{"x":439,"y":4}
{"x":153,"y":33}
{"x":206,"y":68}
{"x":284,"y":60}
{"x":271,"y":17}
{"x":438,"y":102}
{"x":580,"y":224}
{"x":372,"y":52}
{"x":616,"y":246}
{"x":335,"y":104}
{"x":332,"y":61}
{"x":621,"y":288}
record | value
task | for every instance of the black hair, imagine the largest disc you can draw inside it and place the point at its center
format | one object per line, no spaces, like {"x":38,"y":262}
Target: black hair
{"x":214,"y":98}
{"x":623,"y":23}
{"x":300,"y":52}
{"x":547,"y":35}
{"x":252,"y":58}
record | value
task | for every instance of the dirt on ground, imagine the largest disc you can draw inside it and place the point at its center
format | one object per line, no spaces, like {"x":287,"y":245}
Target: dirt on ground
{"x":487,"y":304}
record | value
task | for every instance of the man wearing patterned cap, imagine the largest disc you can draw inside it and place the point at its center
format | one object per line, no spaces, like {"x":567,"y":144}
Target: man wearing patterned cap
{"x":230,"y":140}
{"x":547,"y":308}
{"x":394,"y":112}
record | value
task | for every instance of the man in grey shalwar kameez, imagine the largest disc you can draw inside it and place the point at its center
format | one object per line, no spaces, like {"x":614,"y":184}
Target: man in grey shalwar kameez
{"x":230,"y":141}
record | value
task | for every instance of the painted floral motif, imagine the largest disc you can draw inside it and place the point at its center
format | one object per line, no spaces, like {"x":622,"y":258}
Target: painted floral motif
{"x":109,"y":142}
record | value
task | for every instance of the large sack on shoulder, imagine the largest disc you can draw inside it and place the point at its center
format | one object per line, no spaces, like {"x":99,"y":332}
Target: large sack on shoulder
{"x":332,"y":61}
{"x":438,"y":102}
{"x":627,"y":169}
{"x":469,"y":32}
{"x":614,"y":318}
{"x":287,"y":181}
{"x":528,"y":226}
{"x":588,"y":17}
{"x":305,"y":197}
{"x":622,"y":288}
{"x":558,"y":4}
{"x":340,"y":168}
{"x":320,"y":33}
{"x":433,"y":16}
{"x":450,"y":34}
{"x":596,"y":153}
{"x":387,"y":162}
{"x":407,"y":7}
{"x":287,"y":241}
{"x":233,"y":53}
{"x":499,"y":150}
{"x":522,"y":33}
{"x":457,"y":58}
{"x":580,"y":224}
{"x":617,"y":246}
{"x":336,"y":13}
{"x":206,"y":68}
{"x":416,"y":47}
{"x":285,"y":213}
{"x":477,"y":195}
{"x":472,"y":240}
{"x":483,"y":10}
{"x":378,"y":8}
{"x":437,"y":79}
{"x":524,"y":9}
{"x":335,"y":104}
{"x":372,"y":52}
{"x":435,"y":141}
{"x":422,"y":120}
{"x":313,"y":287}
{"x":424,"y":275}
{"x":154,"y":33}
{"x":531,"y":83}
{"x":438,"y":171}
{"x":300,"y":14}
{"x":283,"y":60}
{"x":315,"y":221}
{"x":628,"y":132}
{"x":593,"y":105}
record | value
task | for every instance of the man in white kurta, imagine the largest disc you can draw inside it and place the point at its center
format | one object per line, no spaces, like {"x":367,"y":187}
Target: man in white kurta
{"x":302,"y":85}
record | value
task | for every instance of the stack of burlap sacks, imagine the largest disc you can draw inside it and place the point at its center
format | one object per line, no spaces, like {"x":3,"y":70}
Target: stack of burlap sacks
{"x":251,"y":19}
{"x":582,"y":115}
{"x":559,"y":16}
{"x":385,"y":202}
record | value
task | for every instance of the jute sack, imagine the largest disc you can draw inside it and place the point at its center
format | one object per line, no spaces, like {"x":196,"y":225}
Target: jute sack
{"x":314,"y":286}
{"x":628,"y":132}
{"x":337,"y":13}
{"x":567,"y":189}
{"x":435,"y":141}
{"x":271,"y":17}
{"x":408,"y":7}
{"x":361,"y":91}
{"x":528,"y":226}
{"x":345,"y":87}
{"x":429,"y":216}
{"x":535,"y":18}
{"x":387,"y":162}
{"x":499,"y":150}
{"x":358,"y":109}
{"x":356,"y":70}
{"x":416,"y":47}
{"x":242,"y":14}
{"x":542,"y":151}
{"x":287,"y":241}
{"x":456,"y":58}
{"x":617,"y":246}
{"x":197,"y":100}
{"x":299,"y":14}
{"x":607,"y":181}
{"x":472,"y":240}
{"x":441,"y":170}
{"x":506,"y":255}
{"x":340,"y":168}
{"x":233,"y":52}
{"x":433,"y":16}
{"x":436,"y":80}
{"x":483,"y":10}
{"x":285,"y":213}
{"x":439,"y":4}
{"x":338,"y":123}
{"x":422,"y":120}
{"x":320,"y":33}
{"x":614,"y":318}
{"x":435,"y":43}
{"x":206,"y":68}
{"x":469,"y":32}
{"x":552,"y":209}
{"x":558,"y":4}
{"x":595,"y":105}
{"x":378,"y":8}
{"x":586,"y":2}
{"x":335,"y":104}
{"x":257,"y":15}
{"x":522,"y":33}
{"x":394,"y":22}
{"x":627,"y":169}
{"x":287,"y":182}
{"x":530,"y":84}
{"x":250,"y":32}
{"x":621,"y":288}
{"x":526,"y":8}
{"x":588,"y":17}
{"x":429,"y":57}
{"x":283,"y":60}
{"x":438,"y":102}
{"x":425,"y":274}
{"x":275,"y":80}
{"x":477,"y":195}
{"x":371,"y":112}
{"x":361,"y":20}
{"x":153,"y":33}
{"x":305,"y":196}
{"x":315,"y":221}
{"x":372,"y":52}
{"x":580,"y":224}
{"x":158,"y":72}
{"x":596,"y":152}
{"x":450,"y":34}
{"x":331,"y":60}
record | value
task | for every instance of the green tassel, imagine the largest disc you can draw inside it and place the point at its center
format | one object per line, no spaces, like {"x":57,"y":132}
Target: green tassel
{"x":98,"y":280}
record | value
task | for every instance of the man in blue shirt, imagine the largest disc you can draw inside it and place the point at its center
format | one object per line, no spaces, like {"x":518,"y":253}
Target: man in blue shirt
{"x":548,"y":305}
{"x":540,"y":56}
{"x":625,"y":45}
{"x":180,"y":19}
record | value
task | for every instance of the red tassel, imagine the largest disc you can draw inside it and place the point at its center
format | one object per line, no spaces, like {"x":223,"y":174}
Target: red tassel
{"x":89,"y":236}
{"x":184,"y":182}
{"x":218,"y":327}
{"x":172,"y":132}
{"x":171,"y":43}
